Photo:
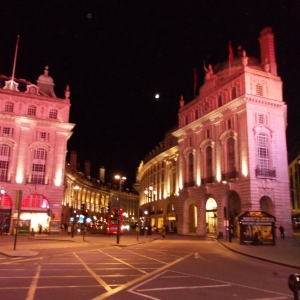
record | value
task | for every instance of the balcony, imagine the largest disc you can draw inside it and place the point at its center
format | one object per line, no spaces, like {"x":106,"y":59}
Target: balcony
{"x":230,"y":175}
{"x":37,"y":180}
{"x":265,"y":173}
{"x":5,"y":178}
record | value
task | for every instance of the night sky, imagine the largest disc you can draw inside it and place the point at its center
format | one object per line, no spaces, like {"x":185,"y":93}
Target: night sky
{"x":117,"y":54}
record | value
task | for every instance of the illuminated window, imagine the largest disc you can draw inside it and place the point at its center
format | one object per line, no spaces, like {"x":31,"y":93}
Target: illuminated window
{"x":9,"y":106}
{"x":53,"y":113}
{"x":31,"y":110}
{"x":4,"y":161}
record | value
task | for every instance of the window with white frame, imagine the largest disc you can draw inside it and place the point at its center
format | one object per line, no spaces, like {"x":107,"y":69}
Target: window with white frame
{"x":53,"y":113}
{"x":9,"y":106}
{"x":4,"y":161}
{"x":263,"y":152}
{"x":39,"y":166}
{"x":31,"y":110}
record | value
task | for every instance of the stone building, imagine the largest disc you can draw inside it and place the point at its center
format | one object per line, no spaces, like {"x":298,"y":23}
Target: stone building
{"x":232,"y":145}
{"x":34,"y":129}
{"x":230,"y":155}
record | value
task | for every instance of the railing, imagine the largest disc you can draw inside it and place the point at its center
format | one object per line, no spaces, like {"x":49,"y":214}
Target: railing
{"x":37,"y":180}
{"x":265,"y":173}
{"x":5,"y":178}
{"x":230,"y":175}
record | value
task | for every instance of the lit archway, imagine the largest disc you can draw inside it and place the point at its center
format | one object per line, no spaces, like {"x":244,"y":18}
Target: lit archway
{"x":266,"y":204}
{"x":211,"y":215}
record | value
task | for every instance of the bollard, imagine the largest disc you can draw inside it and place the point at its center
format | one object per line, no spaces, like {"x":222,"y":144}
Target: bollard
{"x":294,"y":284}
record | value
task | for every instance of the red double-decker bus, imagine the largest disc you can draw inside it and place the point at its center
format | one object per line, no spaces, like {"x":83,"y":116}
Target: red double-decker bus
{"x":112,"y":221}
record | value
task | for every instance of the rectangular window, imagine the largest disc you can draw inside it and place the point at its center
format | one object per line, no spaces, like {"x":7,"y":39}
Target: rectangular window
{"x":229,"y":126}
{"x":259,"y":90}
{"x":5,"y":131}
{"x":207,"y":133}
{"x":261,"y":119}
{"x":53,"y":114}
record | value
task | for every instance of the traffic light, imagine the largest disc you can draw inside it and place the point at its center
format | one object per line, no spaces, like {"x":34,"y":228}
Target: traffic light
{"x":108,"y":207}
{"x":86,"y":212}
{"x":83,"y":208}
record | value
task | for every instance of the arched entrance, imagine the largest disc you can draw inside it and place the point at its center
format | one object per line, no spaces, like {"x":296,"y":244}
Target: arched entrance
{"x":35,"y":212}
{"x":5,"y":213}
{"x":234,"y":209}
{"x":193,"y":218}
{"x":266,"y":204}
{"x":211,"y":216}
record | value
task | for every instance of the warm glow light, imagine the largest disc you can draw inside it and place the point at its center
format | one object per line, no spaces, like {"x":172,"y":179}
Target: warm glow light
{"x":57,"y":180}
{"x":156,"y":96}
{"x":19,"y":178}
{"x":120,"y":177}
{"x":244,"y":169}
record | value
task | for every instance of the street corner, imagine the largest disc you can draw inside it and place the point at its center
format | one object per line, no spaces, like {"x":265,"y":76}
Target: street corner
{"x":19,"y":253}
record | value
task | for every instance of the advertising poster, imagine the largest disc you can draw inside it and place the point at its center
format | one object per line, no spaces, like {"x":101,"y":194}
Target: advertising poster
{"x":23,"y":227}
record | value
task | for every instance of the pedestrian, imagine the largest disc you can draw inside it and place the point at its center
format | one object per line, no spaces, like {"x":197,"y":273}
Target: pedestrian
{"x":32,"y":233}
{"x":40,"y":228}
{"x":163,"y":232}
{"x":281,"y":229}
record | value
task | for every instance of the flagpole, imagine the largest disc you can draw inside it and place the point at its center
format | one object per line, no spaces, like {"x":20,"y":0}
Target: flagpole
{"x":229,"y":58}
{"x":15,"y":59}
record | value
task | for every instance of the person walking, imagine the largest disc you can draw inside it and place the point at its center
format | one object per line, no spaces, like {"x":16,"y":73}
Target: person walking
{"x":32,"y":233}
{"x":163,"y":232}
{"x":281,"y":229}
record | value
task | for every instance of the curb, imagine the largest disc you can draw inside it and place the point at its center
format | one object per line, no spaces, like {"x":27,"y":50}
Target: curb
{"x":259,"y":258}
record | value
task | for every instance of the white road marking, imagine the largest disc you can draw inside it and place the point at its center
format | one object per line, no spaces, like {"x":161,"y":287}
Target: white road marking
{"x":31,"y":292}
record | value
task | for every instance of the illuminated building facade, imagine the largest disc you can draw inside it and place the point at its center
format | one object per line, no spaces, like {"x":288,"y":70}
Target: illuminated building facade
{"x":34,"y":129}
{"x":230,"y":155}
{"x":159,"y":172}
{"x":232,"y":146}
{"x":96,"y":196}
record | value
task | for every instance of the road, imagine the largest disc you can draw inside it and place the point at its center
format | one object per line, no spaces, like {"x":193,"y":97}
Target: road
{"x":163,"y":269}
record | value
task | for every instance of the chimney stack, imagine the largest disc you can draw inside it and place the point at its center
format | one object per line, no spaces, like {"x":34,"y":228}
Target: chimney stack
{"x":102,"y":174}
{"x":73,"y":159}
{"x":267,"y":49}
{"x":87,"y":168}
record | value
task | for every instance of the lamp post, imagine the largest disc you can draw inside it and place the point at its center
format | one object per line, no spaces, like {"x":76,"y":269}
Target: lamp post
{"x":150,"y":194}
{"x":121,"y":180}
{"x":74,"y":207}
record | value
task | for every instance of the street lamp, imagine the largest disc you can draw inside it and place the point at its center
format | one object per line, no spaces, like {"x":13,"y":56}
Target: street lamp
{"x":121,"y":180}
{"x":150,"y":194}
{"x":74,"y":207}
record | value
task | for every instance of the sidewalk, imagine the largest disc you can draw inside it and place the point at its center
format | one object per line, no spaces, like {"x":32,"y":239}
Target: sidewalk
{"x":285,"y":253}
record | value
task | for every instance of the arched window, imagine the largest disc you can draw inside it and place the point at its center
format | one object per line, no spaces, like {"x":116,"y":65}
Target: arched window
{"x":4,"y":162}
{"x":39,"y":166}
{"x":9,"y":106}
{"x":231,"y":158}
{"x":191,"y":168}
{"x":263,"y":163}
{"x":209,"y":164}
{"x":53,"y":113}
{"x":31,"y":110}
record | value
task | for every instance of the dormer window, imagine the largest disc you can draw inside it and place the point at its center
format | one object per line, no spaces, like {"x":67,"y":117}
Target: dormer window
{"x":9,"y":106}
{"x":53,"y":113}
